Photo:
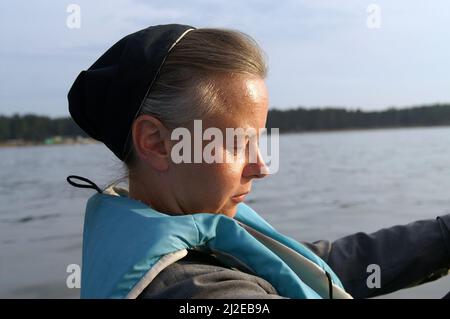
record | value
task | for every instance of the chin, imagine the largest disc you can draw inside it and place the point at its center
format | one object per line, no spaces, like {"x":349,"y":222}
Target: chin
{"x":231,"y":212}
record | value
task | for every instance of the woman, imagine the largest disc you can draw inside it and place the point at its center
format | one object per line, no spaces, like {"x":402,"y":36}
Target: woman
{"x":182,"y":229}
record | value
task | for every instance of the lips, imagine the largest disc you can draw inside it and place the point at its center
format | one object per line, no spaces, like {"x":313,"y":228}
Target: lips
{"x":239,"y":197}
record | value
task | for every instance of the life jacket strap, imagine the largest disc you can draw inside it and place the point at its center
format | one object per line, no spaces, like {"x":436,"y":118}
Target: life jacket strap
{"x":90,"y":184}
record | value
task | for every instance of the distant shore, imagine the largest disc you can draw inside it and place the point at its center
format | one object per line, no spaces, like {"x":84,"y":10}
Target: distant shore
{"x":31,"y":129}
{"x":60,"y":140}
{"x":56,"y":140}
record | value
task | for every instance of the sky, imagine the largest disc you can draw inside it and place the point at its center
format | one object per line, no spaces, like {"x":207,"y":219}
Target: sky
{"x":321,"y":53}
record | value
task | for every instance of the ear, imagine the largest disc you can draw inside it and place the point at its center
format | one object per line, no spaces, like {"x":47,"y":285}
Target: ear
{"x":151,"y":142}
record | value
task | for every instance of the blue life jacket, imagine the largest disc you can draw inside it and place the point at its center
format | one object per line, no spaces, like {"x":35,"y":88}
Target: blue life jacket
{"x":126,"y":244}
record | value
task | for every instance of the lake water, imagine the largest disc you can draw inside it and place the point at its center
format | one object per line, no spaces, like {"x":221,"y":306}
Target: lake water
{"x":329,"y":185}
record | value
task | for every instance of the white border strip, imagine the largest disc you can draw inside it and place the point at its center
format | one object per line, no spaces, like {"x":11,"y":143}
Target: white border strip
{"x":154,"y":271}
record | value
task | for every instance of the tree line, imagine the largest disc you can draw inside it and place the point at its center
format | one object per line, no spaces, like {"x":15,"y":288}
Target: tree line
{"x":301,"y":119}
{"x":37,"y":128}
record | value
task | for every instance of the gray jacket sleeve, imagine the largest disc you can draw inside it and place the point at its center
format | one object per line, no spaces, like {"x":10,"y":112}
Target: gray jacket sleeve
{"x":407,"y":255}
{"x":197,"y":280}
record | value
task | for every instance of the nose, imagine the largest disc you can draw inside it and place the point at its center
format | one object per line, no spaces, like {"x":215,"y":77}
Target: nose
{"x":256,"y":170}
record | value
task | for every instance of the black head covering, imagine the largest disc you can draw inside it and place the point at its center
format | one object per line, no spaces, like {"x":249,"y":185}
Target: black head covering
{"x":105,"y":99}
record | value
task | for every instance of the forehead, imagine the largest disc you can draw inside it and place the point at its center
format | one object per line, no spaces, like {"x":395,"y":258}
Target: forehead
{"x":244,"y":101}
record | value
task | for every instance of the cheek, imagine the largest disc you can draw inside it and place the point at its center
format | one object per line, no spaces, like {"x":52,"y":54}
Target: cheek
{"x":216,"y":178}
{"x":220,"y":183}
{"x":215,"y":186}
{"x":222,"y":178}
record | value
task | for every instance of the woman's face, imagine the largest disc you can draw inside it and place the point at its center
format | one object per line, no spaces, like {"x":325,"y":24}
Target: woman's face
{"x":214,"y":187}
